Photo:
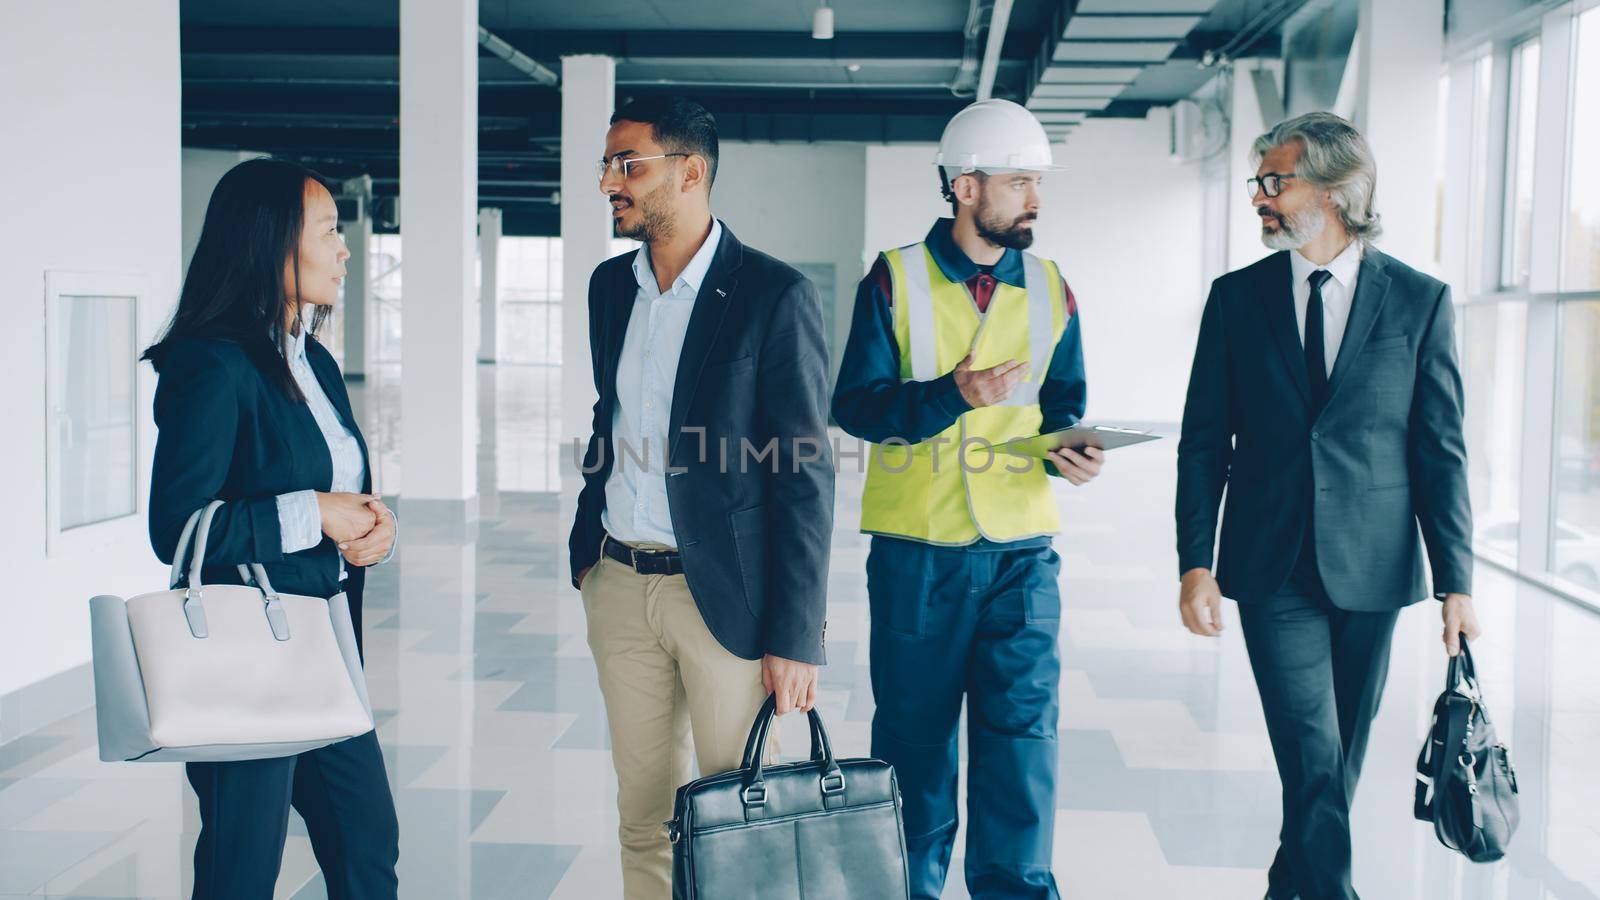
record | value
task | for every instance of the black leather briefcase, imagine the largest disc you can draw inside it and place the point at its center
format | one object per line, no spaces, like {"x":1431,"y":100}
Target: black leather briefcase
{"x":1466,"y":785}
{"x":821,"y":829}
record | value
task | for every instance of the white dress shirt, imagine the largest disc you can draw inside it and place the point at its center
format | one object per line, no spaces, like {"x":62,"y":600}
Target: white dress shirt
{"x":1337,"y":292}
{"x":299,"y":518}
{"x":636,"y":491}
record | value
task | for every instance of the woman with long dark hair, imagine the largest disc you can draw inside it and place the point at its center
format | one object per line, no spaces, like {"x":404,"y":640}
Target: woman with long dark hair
{"x":252,"y":410}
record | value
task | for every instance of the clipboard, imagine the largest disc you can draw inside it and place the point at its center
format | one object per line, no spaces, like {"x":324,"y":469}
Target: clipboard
{"x":1101,"y":437}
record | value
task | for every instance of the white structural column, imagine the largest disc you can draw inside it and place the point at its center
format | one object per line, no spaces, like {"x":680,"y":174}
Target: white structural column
{"x":1400,"y":57}
{"x":588,"y":89}
{"x":1397,"y":100}
{"x":438,"y":219}
{"x":488,"y":283}
{"x":357,"y":306}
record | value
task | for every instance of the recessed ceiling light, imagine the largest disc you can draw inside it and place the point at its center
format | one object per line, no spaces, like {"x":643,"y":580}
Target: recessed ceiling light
{"x":854,"y":67}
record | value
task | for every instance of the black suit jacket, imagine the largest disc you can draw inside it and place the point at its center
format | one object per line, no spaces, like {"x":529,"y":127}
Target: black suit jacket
{"x":226,"y":433}
{"x":1385,"y":456}
{"x":754,"y":367}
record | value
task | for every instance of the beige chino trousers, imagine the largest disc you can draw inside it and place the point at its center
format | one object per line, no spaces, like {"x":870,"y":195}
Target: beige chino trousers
{"x":664,"y":678}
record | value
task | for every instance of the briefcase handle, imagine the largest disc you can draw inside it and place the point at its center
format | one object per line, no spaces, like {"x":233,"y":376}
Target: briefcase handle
{"x":821,"y":745}
{"x":1462,"y":672}
{"x":754,"y":793}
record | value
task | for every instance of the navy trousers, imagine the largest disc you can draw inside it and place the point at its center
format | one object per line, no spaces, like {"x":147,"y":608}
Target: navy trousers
{"x":340,"y":791}
{"x":1320,"y":671}
{"x":978,"y":623}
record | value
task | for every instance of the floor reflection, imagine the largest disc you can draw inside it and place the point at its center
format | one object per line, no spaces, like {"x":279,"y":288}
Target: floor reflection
{"x":496,"y":743}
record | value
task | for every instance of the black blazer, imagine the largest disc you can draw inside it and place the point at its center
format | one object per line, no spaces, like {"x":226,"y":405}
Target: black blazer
{"x":754,"y":367}
{"x":226,"y":433}
{"x":1385,"y":456}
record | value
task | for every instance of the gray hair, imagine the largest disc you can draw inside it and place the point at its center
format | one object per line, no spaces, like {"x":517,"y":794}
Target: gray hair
{"x":1336,"y":158}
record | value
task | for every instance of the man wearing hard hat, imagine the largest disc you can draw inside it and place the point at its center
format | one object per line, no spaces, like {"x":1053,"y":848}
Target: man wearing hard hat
{"x":958,"y":344}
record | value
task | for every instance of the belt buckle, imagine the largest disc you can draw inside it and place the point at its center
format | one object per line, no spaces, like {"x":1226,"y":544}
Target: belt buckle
{"x":645,"y":563}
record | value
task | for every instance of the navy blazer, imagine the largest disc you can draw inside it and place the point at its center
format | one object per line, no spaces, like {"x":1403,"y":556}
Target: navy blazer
{"x":754,"y":367}
{"x":1383,"y":460}
{"x":226,"y":432}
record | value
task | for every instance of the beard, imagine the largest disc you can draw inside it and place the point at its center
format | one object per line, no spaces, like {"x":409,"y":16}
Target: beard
{"x":995,"y":229}
{"x":1296,"y":230}
{"x":655,"y":221}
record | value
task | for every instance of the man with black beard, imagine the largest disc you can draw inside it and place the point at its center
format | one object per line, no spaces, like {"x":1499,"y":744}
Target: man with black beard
{"x":958,"y":343}
{"x":1326,"y":399}
{"x":703,"y":576}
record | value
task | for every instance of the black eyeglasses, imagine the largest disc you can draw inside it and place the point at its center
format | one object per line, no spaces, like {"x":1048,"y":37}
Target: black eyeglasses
{"x":1270,"y":184}
{"x":622,"y":166}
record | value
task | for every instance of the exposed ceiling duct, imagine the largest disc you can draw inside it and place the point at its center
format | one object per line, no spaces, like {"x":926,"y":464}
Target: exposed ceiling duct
{"x":999,"y":19}
{"x":518,"y":60}
{"x":965,"y":83}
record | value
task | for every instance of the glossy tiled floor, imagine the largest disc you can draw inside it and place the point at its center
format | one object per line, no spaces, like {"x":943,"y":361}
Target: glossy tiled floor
{"x":497,"y":749}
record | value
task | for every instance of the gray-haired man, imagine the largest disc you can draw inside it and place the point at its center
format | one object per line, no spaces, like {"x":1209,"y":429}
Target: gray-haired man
{"x":1325,"y":397}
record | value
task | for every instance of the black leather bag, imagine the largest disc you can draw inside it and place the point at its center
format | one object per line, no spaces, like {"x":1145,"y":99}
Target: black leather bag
{"x":1466,"y":785}
{"x":820,"y":829}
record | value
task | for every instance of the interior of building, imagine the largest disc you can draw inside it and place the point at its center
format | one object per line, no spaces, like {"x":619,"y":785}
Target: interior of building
{"x":461,"y":136}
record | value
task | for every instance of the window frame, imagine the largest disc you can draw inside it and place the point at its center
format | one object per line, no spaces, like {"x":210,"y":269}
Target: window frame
{"x":1512,"y":158}
{"x":61,"y":284}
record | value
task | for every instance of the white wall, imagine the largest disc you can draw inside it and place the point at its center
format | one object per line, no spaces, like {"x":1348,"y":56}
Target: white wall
{"x":1244,"y":223}
{"x":1397,"y":108}
{"x":93,"y":145}
{"x":802,"y":203}
{"x":1123,"y":222}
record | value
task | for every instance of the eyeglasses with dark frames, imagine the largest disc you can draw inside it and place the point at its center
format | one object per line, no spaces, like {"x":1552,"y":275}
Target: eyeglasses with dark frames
{"x":1270,"y":184}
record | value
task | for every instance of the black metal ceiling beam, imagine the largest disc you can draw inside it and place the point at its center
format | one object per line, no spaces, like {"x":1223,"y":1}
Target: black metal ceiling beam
{"x":1197,"y":43}
{"x":711,"y":47}
{"x":234,"y":40}
{"x":1125,"y":109}
{"x":541,"y":116}
{"x":529,"y":220}
{"x":742,"y":122}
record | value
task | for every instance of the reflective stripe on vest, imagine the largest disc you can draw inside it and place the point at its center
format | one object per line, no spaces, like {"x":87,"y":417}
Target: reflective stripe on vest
{"x":919,"y":296}
{"x":919,"y":312}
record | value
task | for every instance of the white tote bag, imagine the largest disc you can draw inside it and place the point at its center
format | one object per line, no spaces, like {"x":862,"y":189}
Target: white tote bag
{"x":223,"y":672}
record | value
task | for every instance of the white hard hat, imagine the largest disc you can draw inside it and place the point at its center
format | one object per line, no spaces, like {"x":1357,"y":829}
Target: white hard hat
{"x":995,"y":135}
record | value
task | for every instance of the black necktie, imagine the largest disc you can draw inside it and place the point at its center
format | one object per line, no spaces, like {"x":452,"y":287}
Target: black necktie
{"x":1316,"y":360}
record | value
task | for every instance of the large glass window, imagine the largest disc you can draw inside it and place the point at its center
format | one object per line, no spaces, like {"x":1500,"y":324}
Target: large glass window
{"x":384,"y":318}
{"x":1535,"y":92}
{"x":1580,"y":264}
{"x":1495,"y":341}
{"x":530,"y":301}
{"x":1517,"y":236}
{"x":530,"y":297}
{"x":1575,"y":550}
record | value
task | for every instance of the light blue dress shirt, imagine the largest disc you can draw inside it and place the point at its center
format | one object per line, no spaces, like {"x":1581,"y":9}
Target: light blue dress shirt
{"x":636,"y":492}
{"x":299,"y":518}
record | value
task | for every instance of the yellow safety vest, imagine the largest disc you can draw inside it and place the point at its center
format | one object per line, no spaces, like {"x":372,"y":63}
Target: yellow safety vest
{"x":952,"y":489}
